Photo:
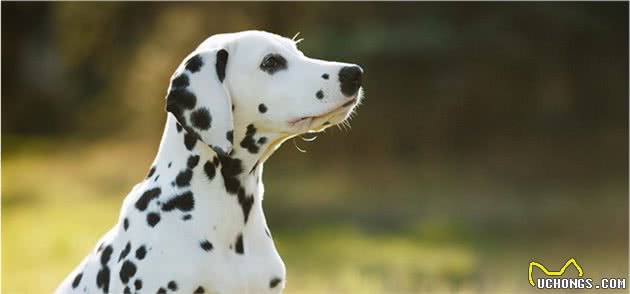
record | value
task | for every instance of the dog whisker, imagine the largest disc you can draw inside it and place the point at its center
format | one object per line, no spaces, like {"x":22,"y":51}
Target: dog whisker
{"x":297,"y":147}
{"x":295,"y":40}
{"x":308,"y":139}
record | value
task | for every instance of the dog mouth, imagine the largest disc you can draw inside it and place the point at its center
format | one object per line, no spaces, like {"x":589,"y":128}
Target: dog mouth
{"x":326,"y":115}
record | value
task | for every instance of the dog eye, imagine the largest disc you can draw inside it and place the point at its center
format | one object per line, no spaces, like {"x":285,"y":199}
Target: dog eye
{"x":272,"y":63}
{"x":269,"y":62}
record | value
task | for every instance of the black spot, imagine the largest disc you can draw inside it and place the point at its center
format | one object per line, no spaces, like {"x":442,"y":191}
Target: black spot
{"x":169,"y":164}
{"x":216,"y":161}
{"x":229,"y":135}
{"x":106,"y":255}
{"x":267,"y":233}
{"x":147,"y":196}
{"x":201,"y":119}
{"x":238,"y":247}
{"x":231,"y":168}
{"x":248,"y":141}
{"x":274,"y":282}
{"x":156,"y":178}
{"x":189,"y":140}
{"x":186,"y":217}
{"x":125,"y":224}
{"x":127,"y":271}
{"x":102,"y":279}
{"x":209,"y":169}
{"x":245,"y":202}
{"x":194,"y":63}
{"x":179,"y":99}
{"x":193,"y":160}
{"x":151,"y":171}
{"x":100,"y":247}
{"x":183,"y":202}
{"x":161,"y":291}
{"x":127,"y":290}
{"x":222,"y":58}
{"x":183,"y":178}
{"x":325,"y":76}
{"x":138,"y":284}
{"x":153,"y":218}
{"x":319,"y":94}
{"x":77,"y":280}
{"x":262,"y":140}
{"x":141,"y":252}
{"x":206,"y":245}
{"x":262,"y":108}
{"x":199,"y":290}
{"x":125,"y":252}
{"x":181,"y":81}
{"x":251,"y":130}
{"x":172,"y":285}
{"x":179,"y":128}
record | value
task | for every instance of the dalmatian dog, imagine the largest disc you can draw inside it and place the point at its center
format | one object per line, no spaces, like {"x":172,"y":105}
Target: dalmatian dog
{"x":195,"y":224}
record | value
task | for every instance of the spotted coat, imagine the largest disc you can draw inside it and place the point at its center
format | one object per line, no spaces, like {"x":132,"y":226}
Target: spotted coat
{"x":195,"y":223}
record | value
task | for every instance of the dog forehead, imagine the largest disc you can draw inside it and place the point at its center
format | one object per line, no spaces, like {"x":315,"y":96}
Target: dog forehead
{"x":247,"y":42}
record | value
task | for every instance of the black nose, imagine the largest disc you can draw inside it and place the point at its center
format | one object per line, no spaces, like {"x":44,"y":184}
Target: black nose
{"x":350,"y":79}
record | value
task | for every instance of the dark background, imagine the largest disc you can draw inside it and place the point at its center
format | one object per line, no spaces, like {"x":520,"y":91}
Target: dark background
{"x":491,"y":135}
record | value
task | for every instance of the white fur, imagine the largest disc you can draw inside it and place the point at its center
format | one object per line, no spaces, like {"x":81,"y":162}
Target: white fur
{"x":173,"y":245}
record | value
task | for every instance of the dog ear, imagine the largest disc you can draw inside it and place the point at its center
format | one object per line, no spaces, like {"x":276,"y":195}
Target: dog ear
{"x":199,"y":101}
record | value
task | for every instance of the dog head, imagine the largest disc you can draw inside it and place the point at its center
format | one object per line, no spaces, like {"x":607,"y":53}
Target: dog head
{"x":259,"y":80}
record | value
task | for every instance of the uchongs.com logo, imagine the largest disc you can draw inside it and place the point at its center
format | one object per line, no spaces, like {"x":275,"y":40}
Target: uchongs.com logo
{"x":555,"y":279}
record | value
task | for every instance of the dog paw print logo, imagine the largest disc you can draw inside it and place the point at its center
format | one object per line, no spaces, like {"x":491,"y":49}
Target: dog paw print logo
{"x":553,"y":273}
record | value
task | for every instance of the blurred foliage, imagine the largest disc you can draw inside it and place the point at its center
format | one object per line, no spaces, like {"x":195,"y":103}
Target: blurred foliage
{"x":491,"y":134}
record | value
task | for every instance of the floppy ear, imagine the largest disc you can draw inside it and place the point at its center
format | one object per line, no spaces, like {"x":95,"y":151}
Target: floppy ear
{"x":199,"y":101}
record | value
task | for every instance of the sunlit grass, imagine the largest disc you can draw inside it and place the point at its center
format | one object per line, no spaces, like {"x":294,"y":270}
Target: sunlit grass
{"x":43,"y":243}
{"x":406,"y":235}
{"x":345,"y":260}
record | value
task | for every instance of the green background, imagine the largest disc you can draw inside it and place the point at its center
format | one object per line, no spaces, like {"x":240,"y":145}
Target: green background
{"x":491,"y":135}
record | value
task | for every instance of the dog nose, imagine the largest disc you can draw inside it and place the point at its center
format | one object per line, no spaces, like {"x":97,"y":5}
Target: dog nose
{"x":350,"y":79}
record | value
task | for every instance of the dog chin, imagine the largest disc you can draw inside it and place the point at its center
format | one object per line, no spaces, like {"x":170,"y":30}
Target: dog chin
{"x":313,"y":124}
{"x":319,"y":124}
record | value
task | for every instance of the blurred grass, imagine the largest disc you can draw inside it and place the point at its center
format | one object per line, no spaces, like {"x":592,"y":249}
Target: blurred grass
{"x":401,"y":228}
{"x":491,"y":135}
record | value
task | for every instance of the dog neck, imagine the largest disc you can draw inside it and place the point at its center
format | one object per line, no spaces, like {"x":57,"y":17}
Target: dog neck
{"x":251,"y":147}
{"x":237,"y":175}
